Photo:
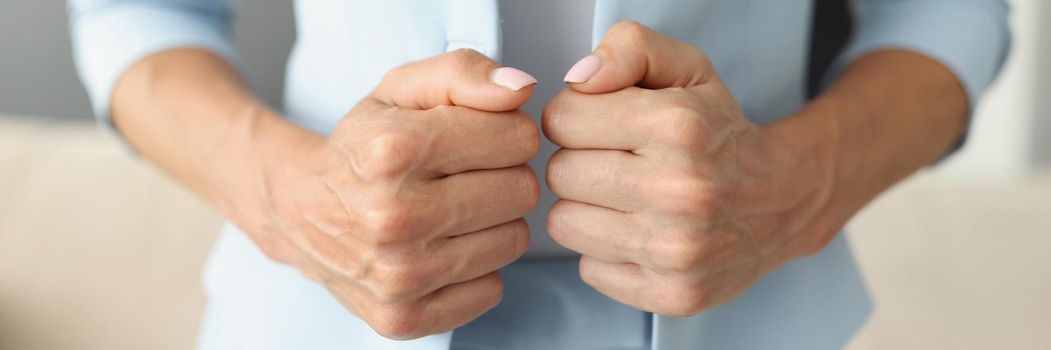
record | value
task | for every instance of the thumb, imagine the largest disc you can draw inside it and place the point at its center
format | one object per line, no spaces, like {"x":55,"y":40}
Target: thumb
{"x":632,"y":54}
{"x":463,"y":78}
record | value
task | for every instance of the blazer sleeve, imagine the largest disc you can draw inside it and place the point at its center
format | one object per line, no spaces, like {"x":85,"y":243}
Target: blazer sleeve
{"x":111,"y":35}
{"x":970,"y":37}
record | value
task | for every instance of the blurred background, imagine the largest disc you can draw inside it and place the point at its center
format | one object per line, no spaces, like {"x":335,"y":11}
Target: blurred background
{"x":100,"y":251}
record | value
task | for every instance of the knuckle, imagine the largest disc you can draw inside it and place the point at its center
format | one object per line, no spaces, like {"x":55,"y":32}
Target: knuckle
{"x":556,"y":168}
{"x":396,"y":278}
{"x":630,"y":31}
{"x":528,"y":135}
{"x":390,"y":155}
{"x":554,"y":112}
{"x":522,"y":239}
{"x":461,"y":60}
{"x":273,"y":253}
{"x":493,"y":291}
{"x":394,"y":74}
{"x":556,"y":222}
{"x":687,"y":195}
{"x":678,"y":250}
{"x":588,"y":274}
{"x":683,"y":300}
{"x":389,"y":222}
{"x":517,"y":242}
{"x":529,"y":187}
{"x":397,"y":322}
{"x":679,"y":124}
{"x":816,"y":246}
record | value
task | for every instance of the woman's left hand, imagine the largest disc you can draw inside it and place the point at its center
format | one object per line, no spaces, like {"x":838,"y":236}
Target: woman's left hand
{"x":676,"y":201}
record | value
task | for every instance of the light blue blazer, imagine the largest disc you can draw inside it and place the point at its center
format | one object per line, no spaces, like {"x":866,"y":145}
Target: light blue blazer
{"x":343,"y":47}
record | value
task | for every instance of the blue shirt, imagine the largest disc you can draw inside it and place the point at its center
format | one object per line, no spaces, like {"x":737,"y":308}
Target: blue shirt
{"x":342,"y":50}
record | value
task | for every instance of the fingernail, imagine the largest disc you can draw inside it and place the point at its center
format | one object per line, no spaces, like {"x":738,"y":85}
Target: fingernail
{"x":583,"y":69}
{"x":511,"y":78}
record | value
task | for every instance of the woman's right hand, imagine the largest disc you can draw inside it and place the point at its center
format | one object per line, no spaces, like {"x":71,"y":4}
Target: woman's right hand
{"x":416,"y":200}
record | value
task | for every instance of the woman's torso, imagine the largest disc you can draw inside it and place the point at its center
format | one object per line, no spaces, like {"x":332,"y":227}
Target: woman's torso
{"x":343,"y":48}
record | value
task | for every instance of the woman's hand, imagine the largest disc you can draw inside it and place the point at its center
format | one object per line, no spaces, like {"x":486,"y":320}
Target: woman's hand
{"x":406,"y":212}
{"x":676,"y":201}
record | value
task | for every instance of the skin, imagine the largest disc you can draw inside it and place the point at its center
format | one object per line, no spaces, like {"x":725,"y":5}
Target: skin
{"x":678,"y":203}
{"x":675,"y":200}
{"x":404,"y":213}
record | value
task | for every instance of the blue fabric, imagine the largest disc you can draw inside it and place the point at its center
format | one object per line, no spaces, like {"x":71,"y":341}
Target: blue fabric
{"x":110,"y":36}
{"x":970,"y":37}
{"x":566,"y":322}
{"x":344,"y":47}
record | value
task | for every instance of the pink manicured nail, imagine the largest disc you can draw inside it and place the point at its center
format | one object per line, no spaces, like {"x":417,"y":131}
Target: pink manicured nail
{"x":583,"y":69}
{"x":511,"y":78}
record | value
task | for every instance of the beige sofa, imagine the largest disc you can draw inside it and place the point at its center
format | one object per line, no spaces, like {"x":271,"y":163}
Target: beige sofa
{"x":99,"y":251}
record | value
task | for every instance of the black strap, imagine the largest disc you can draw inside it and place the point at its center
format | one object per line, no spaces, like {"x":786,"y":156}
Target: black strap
{"x":831,"y":28}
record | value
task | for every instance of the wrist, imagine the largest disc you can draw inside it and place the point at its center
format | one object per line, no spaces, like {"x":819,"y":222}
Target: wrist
{"x":258,"y":157}
{"x":888,"y":114}
{"x":803,"y":152}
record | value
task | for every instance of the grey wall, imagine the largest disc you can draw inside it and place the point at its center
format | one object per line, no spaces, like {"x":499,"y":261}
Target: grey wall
{"x":1041,"y":137}
{"x":37,"y":77}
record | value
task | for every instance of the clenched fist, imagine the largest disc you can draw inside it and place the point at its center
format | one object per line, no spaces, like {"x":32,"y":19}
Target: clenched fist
{"x":676,"y":201}
{"x":407,"y":211}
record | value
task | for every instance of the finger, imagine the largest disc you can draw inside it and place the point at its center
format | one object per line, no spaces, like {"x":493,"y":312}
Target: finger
{"x":457,"y":304}
{"x":632,"y":119}
{"x":478,"y":253}
{"x":680,"y":296}
{"x":615,"y":120}
{"x":466,"y":257}
{"x":437,"y":142}
{"x":634,"y":286}
{"x":475,"y":200}
{"x":467,"y":139}
{"x":443,"y":310}
{"x":632,"y":54}
{"x":607,"y":178}
{"x":462,"y":203}
{"x":459,"y":78}
{"x":595,"y":231}
{"x":624,"y":282}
